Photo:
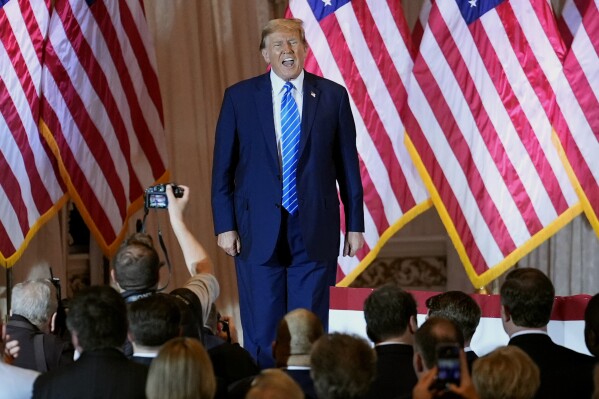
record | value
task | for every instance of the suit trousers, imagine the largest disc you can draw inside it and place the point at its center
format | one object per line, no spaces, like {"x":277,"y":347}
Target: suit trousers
{"x":288,"y":280}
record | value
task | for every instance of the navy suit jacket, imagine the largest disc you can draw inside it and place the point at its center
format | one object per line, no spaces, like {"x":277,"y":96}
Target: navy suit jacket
{"x":246,"y":177}
{"x":564,"y":372}
{"x":102,"y":373}
{"x":395,"y":375}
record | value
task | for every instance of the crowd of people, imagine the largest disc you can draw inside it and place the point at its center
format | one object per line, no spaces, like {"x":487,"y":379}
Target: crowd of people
{"x":132,"y":341}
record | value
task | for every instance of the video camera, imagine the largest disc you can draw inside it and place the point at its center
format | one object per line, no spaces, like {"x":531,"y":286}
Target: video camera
{"x":155,"y":196}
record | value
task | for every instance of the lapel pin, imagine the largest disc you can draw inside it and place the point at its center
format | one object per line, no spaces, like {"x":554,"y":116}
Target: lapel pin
{"x":313,"y":94}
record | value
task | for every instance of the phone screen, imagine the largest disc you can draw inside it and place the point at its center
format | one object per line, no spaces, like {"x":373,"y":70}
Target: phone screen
{"x":448,"y":365}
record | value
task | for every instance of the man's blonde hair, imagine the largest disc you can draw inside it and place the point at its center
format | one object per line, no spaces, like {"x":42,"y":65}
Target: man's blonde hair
{"x":282,"y":24}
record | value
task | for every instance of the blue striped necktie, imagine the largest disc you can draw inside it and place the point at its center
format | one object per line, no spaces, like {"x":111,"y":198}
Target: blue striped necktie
{"x":290,"y":135}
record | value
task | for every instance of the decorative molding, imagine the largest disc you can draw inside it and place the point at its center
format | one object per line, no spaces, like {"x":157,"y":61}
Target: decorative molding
{"x":414,"y":264}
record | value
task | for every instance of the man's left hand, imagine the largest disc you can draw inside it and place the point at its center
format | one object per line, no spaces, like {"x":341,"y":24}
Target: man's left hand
{"x":354,"y":241}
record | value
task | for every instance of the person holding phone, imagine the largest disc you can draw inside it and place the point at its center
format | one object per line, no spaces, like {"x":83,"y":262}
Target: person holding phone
{"x":440,"y":362}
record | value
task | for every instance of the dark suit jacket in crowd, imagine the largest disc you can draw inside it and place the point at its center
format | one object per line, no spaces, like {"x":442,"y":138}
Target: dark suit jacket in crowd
{"x":57,"y":352}
{"x":304,"y":380}
{"x":471,"y":356}
{"x":146,"y":361}
{"x":232,"y":363}
{"x":564,"y":372}
{"x":97,"y":374}
{"x":395,"y":375}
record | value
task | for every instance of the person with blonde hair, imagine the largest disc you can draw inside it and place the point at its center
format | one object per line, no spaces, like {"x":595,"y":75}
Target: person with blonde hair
{"x":506,"y":373}
{"x":274,"y":384}
{"x":182,"y":369}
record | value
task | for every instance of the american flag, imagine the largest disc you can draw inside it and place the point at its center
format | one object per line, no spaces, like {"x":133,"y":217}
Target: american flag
{"x":482,"y":94}
{"x":364,"y":45}
{"x":571,"y":18}
{"x":102,"y":110}
{"x":420,"y":24}
{"x":31,"y":190}
{"x":578,"y":113}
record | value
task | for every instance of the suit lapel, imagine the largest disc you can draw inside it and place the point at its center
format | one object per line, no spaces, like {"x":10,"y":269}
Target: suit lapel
{"x":263,"y":99}
{"x":311,"y":96}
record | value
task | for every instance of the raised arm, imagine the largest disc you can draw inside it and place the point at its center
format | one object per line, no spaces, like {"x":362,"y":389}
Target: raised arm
{"x":195,"y":255}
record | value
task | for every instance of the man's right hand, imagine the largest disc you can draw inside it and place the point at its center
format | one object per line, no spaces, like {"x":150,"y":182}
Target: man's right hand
{"x":229,"y":242}
{"x":11,"y":350}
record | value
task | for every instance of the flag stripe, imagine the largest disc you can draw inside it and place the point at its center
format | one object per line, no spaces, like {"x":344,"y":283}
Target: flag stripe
{"x":26,"y":163}
{"x":361,"y":101}
{"x":134,"y":27}
{"x":13,"y":45}
{"x":494,"y":143}
{"x":389,"y":73}
{"x":519,"y":124}
{"x":463,"y":155}
{"x":577,"y":118}
{"x":107,"y":113}
{"x":361,"y":44}
{"x":140,"y":126}
{"x":487,"y":76}
{"x":432,"y":156}
{"x":381,"y":70}
{"x":6,"y":244}
{"x":77,"y":112}
{"x":103,"y":119}
{"x":570,"y":19}
{"x":31,"y":190}
{"x":459,"y":127}
{"x":321,"y":51}
{"x":94,"y":207}
{"x":421,"y":22}
{"x":537,"y":95}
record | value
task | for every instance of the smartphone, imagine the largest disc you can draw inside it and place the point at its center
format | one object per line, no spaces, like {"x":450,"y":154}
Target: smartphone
{"x":448,"y":365}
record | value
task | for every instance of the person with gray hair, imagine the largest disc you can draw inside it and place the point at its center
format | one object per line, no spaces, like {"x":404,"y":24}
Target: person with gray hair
{"x":34,"y":306}
{"x":463,"y":310}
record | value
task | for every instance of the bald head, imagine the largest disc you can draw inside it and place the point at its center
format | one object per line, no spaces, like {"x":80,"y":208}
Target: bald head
{"x":296,"y":333}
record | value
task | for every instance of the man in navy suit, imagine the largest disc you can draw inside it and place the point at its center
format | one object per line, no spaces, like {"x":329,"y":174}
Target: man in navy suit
{"x":390,"y":315}
{"x":97,"y":320}
{"x":527,"y":297}
{"x":285,"y":254}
